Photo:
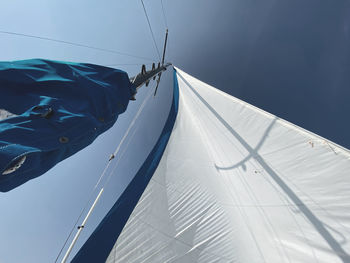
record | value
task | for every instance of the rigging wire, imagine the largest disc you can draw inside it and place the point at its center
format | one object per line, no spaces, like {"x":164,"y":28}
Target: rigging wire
{"x":106,"y":168}
{"x":82,"y":212}
{"x":148,"y":96}
{"x":127,"y":64}
{"x":74,"y":44}
{"x":130,"y":126}
{"x":150,"y":28}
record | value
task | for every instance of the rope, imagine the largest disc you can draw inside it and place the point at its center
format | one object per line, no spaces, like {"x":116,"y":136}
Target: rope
{"x":150,"y":28}
{"x":74,"y":44}
{"x":105,"y":170}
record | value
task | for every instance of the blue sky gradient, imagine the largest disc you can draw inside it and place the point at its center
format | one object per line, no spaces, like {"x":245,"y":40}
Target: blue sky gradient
{"x":290,"y":58}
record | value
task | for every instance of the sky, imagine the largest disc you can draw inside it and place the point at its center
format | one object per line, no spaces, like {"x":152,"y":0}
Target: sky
{"x":290,"y":58}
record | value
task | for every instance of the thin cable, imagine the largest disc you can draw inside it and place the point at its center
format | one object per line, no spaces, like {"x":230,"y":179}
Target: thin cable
{"x":83,"y":210}
{"x":165,"y":20}
{"x":148,"y":96}
{"x":128,"y":64}
{"x":74,"y":44}
{"x":105,"y":170}
{"x":125,"y":136}
{"x":150,"y":28}
{"x":133,"y":122}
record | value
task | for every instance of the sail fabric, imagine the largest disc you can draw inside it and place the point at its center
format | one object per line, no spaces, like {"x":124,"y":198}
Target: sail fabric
{"x":237,"y":184}
{"x":50,"y":110}
{"x":101,"y":241}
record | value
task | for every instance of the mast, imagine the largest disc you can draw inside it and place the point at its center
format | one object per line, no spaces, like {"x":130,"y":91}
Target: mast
{"x":166,"y":40}
{"x":164,"y":49}
{"x":144,"y":77}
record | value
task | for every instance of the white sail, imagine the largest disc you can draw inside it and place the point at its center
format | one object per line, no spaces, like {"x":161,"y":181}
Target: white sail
{"x":236,"y":184}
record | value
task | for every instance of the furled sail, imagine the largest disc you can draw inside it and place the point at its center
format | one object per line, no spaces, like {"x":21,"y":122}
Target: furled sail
{"x":234,"y":184}
{"x":49,"y":110}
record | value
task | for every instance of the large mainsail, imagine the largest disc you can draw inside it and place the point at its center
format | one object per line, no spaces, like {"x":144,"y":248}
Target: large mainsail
{"x":234,"y":184}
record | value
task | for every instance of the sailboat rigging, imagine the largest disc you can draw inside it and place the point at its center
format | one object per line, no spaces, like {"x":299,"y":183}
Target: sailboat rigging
{"x":219,"y":181}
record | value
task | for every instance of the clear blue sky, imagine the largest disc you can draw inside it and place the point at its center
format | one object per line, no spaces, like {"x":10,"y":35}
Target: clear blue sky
{"x":291,"y":58}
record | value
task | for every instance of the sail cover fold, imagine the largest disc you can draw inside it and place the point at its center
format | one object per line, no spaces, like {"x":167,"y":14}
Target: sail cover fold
{"x":49,"y":110}
{"x":236,"y":184}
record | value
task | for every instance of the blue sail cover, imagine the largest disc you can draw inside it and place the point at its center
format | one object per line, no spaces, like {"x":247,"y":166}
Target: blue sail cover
{"x":50,"y":110}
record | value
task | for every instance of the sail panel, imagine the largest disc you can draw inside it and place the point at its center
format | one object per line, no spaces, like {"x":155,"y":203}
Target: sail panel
{"x":237,"y":184}
{"x":101,"y":241}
